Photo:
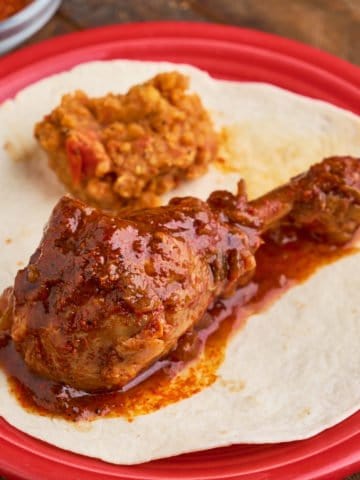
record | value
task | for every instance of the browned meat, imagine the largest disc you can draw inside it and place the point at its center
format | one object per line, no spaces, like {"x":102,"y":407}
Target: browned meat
{"x":325,"y":201}
{"x":103,"y":297}
{"x":125,"y":150}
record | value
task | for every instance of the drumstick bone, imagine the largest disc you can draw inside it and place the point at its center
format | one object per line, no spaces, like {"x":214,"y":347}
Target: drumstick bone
{"x":104,"y":297}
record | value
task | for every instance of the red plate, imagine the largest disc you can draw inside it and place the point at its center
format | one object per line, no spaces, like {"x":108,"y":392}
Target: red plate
{"x":230,"y":53}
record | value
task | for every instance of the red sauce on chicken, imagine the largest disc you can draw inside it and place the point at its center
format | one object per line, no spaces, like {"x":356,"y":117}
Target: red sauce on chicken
{"x":124,"y":315}
{"x":192,"y":366}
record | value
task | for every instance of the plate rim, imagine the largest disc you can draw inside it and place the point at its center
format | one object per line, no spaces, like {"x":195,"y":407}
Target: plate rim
{"x":17,"y":63}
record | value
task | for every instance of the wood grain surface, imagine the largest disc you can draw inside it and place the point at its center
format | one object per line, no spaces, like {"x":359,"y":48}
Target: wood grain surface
{"x":331,"y":25}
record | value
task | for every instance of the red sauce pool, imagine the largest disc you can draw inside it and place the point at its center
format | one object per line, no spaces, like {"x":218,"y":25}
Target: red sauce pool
{"x":193,"y":365}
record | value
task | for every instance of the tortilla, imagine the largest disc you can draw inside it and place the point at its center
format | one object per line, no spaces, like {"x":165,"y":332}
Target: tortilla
{"x":293,"y":370}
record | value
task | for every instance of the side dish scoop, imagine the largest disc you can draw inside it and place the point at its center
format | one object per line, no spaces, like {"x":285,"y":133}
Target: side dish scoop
{"x":127,"y":149}
{"x":104,"y":297}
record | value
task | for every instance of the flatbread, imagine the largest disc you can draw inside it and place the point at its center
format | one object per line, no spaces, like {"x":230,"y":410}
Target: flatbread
{"x":294,"y":370}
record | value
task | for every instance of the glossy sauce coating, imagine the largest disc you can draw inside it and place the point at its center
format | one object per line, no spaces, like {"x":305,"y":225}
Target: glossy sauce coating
{"x":104,"y":297}
{"x":284,"y":260}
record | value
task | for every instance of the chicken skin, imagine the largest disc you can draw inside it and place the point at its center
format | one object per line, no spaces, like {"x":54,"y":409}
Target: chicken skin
{"x":104,"y":297}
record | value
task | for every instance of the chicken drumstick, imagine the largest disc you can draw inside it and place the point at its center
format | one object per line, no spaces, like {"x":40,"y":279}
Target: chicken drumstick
{"x":104,"y":297}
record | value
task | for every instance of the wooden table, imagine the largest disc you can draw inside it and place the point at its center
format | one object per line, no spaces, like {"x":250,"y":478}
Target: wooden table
{"x":332,"y":25}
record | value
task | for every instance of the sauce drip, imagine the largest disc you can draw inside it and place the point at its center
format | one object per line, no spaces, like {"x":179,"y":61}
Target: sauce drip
{"x":8,"y":8}
{"x":284,"y":260}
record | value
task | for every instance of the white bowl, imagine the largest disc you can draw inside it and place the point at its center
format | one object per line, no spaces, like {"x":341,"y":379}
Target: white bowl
{"x":26,"y":22}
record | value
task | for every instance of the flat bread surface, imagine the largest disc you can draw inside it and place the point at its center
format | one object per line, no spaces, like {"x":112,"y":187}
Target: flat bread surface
{"x":293,"y":370}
